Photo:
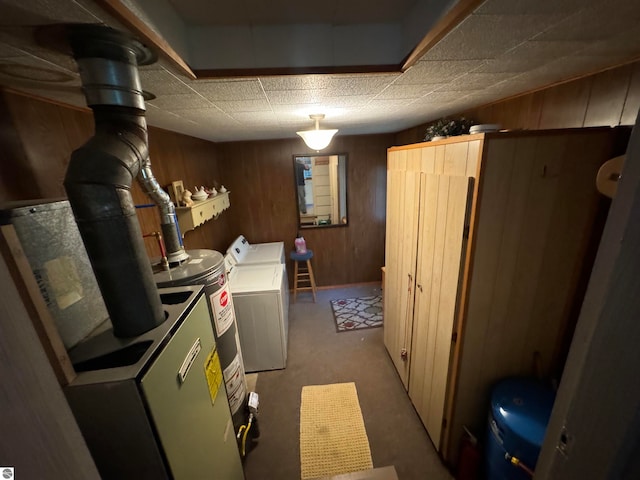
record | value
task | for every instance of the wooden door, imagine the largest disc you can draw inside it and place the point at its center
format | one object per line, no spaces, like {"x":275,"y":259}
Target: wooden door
{"x":443,"y":207}
{"x":403,"y":191}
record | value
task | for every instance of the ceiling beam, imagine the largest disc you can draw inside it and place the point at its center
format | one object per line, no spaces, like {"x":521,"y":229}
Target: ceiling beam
{"x":122,"y":13}
{"x":267,"y":72}
{"x":452,"y":19}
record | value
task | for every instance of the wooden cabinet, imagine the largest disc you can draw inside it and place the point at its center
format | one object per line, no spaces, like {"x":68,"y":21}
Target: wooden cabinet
{"x":195,"y":215}
{"x":485,"y":261}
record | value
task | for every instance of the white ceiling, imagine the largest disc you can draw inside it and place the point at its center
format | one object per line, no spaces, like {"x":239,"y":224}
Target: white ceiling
{"x":504,"y":48}
{"x":259,"y":12}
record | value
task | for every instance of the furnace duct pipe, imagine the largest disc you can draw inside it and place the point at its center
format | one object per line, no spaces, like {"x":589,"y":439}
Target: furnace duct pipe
{"x":168,"y":221}
{"x":100,"y":174}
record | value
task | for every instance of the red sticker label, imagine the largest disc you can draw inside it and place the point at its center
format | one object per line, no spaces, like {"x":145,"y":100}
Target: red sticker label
{"x":224,"y":299}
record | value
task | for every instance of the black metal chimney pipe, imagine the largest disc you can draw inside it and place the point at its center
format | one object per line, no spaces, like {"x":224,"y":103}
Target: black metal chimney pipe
{"x":100,"y":174}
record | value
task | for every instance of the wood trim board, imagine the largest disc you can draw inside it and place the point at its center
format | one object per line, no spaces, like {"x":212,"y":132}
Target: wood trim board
{"x":119,"y":10}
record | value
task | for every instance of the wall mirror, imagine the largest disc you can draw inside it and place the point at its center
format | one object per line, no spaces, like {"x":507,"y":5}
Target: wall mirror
{"x":321,"y":190}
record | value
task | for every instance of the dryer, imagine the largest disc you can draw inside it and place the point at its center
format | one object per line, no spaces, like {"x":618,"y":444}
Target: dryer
{"x":260,"y":298}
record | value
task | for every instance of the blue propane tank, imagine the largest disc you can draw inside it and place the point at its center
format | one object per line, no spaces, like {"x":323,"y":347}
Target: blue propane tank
{"x":518,"y":418}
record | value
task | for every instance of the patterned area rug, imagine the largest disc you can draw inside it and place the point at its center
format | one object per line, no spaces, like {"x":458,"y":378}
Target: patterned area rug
{"x":356,"y":313}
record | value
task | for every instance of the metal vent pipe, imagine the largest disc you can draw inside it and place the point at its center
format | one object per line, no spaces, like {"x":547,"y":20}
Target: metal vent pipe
{"x":100,"y":174}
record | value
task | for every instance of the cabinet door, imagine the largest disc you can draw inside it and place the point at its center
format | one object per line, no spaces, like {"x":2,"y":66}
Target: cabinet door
{"x":403,"y":191}
{"x":443,"y":207}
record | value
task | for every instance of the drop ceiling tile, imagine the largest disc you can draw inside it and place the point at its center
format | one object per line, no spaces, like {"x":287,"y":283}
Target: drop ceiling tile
{"x":626,"y":44}
{"x":597,"y":22}
{"x":173,"y":124}
{"x":433,"y":71}
{"x":442,"y":97}
{"x":406,"y":91}
{"x":29,"y":72}
{"x":255,"y":119}
{"x":228,"y":90}
{"x":302,"y":110}
{"x":197,"y":114}
{"x":518,"y":7}
{"x":579,"y":65}
{"x":244,"y":105}
{"x":480,"y":98}
{"x":385,"y":103}
{"x":366,"y":85}
{"x":347,"y":102}
{"x":161,"y":82}
{"x":7,"y":51}
{"x":542,"y":76}
{"x":158,"y":65}
{"x":499,"y":28}
{"x":289,"y":118}
{"x":473,"y":81}
{"x":295,"y":82}
{"x":565,"y":69}
{"x":23,"y":39}
{"x":488,"y":36}
{"x":179,"y":102}
{"x":294,"y":97}
{"x":504,"y":89}
{"x":44,"y":12}
{"x":530,"y":55}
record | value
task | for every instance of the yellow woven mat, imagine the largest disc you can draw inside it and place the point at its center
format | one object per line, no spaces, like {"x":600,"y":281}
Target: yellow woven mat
{"x":333,"y":439}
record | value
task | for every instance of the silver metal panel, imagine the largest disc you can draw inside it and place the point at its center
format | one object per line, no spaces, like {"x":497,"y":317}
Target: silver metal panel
{"x":51,"y":241}
{"x":202,"y":265}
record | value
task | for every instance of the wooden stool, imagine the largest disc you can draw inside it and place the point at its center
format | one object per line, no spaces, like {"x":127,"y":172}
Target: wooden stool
{"x":303,"y":274}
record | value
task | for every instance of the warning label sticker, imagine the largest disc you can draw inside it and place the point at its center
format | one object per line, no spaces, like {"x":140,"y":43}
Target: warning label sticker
{"x":236,"y":385}
{"x":222,"y":307}
{"x":213,"y":372}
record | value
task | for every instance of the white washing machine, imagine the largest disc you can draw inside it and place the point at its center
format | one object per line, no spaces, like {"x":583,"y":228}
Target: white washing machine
{"x":260,"y":297}
{"x":246,"y":254}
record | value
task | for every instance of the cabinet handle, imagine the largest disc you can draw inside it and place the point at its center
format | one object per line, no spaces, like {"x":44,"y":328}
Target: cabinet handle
{"x":420,"y":287}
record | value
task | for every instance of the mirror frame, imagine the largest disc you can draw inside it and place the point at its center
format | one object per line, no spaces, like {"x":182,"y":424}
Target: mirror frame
{"x":343,"y":156}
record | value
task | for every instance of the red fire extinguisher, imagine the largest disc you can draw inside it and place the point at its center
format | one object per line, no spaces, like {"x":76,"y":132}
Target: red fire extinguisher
{"x":469,"y":460}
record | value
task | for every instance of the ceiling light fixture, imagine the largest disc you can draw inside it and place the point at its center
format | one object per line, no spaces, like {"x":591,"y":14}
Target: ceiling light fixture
{"x":317,"y":139}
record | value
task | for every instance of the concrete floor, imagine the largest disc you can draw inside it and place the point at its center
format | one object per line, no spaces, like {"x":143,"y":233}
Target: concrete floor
{"x":318,"y":355}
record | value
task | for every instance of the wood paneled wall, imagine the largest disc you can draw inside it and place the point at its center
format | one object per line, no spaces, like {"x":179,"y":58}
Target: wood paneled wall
{"x":38,"y":137}
{"x":265,"y":210}
{"x":608,"y":98}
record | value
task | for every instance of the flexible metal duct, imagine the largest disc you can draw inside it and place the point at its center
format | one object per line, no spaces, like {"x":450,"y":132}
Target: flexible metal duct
{"x":168,"y":220}
{"x":100,"y":174}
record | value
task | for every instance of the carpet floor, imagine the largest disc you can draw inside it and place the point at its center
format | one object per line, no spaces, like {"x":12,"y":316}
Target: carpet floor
{"x":319,"y":355}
